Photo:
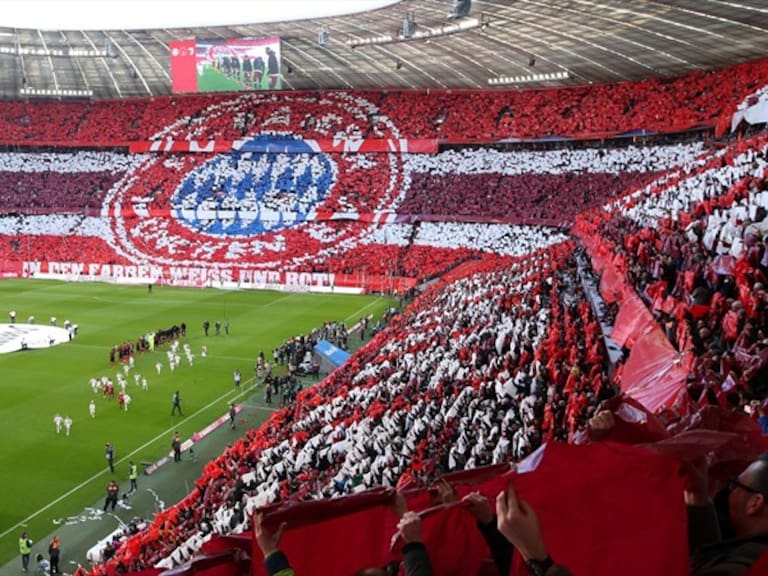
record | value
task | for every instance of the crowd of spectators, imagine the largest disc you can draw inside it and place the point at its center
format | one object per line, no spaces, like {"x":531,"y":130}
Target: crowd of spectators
{"x":697,"y":98}
{"x":530,"y":186}
{"x":424,"y":250}
{"x":276,"y":183}
{"x":475,"y":372}
{"x":486,"y":368}
{"x":105,"y":549}
{"x":59,"y":182}
{"x":294,"y":351}
{"x":32,"y":190}
{"x":693,"y":248}
{"x":527,"y":198}
{"x":20,"y":246}
{"x":443,"y":222}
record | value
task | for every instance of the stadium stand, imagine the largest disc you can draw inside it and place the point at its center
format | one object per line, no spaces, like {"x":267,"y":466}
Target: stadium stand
{"x":504,"y":359}
{"x":693,"y":251}
{"x":523,"y":187}
{"x":697,"y":99}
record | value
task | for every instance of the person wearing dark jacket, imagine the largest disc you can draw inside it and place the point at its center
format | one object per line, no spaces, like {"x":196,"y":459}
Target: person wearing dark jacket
{"x":273,"y":68}
{"x":54,"y":552}
{"x":113,"y":490}
{"x":711,"y":555}
{"x":415,"y":555}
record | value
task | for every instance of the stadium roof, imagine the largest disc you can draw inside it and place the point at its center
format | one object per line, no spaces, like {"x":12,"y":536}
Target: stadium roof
{"x":558,"y":42}
{"x":154,"y":14}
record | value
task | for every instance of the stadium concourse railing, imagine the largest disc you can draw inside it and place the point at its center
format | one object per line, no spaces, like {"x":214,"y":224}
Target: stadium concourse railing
{"x":700,"y":98}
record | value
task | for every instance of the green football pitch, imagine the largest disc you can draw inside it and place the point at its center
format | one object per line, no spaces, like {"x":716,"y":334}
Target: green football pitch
{"x":44,"y":475}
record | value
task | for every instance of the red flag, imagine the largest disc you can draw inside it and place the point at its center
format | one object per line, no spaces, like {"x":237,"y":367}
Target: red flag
{"x":226,"y":563}
{"x":760,"y":567}
{"x":604,"y":508}
{"x":634,"y":423}
{"x":342,"y":535}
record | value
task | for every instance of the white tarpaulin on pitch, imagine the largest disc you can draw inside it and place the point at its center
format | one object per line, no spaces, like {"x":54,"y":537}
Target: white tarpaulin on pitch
{"x":14,"y":337}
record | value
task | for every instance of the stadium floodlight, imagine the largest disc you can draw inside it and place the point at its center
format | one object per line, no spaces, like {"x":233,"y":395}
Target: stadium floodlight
{"x":27,"y":91}
{"x":529,"y":78}
{"x":19,"y":50}
{"x":411,"y":31}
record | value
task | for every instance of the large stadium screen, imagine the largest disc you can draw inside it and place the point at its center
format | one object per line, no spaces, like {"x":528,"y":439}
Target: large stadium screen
{"x":225,"y":65}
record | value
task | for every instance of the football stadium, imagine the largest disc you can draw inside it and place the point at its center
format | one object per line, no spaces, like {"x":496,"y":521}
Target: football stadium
{"x":384,"y":287}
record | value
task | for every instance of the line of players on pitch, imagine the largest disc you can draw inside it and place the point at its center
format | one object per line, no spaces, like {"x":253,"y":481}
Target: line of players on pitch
{"x":105,"y":385}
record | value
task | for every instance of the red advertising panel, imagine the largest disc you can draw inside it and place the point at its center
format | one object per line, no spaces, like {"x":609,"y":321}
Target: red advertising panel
{"x":183,"y":60}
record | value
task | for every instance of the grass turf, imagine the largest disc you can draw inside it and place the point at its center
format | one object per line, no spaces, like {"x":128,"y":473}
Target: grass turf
{"x":44,"y":475}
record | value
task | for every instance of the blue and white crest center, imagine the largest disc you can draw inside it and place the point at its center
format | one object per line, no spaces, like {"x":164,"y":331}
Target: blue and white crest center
{"x":249,"y":193}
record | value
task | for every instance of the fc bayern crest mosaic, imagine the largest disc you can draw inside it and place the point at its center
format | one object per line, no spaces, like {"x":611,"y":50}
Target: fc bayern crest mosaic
{"x":258,"y":208}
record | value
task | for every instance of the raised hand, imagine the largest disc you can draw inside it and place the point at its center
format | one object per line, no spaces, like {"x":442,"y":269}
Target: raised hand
{"x":445,"y":493}
{"x":517,"y":521}
{"x":601,"y":424}
{"x":410,"y":527}
{"x":479,"y":506}
{"x":269,"y":542}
